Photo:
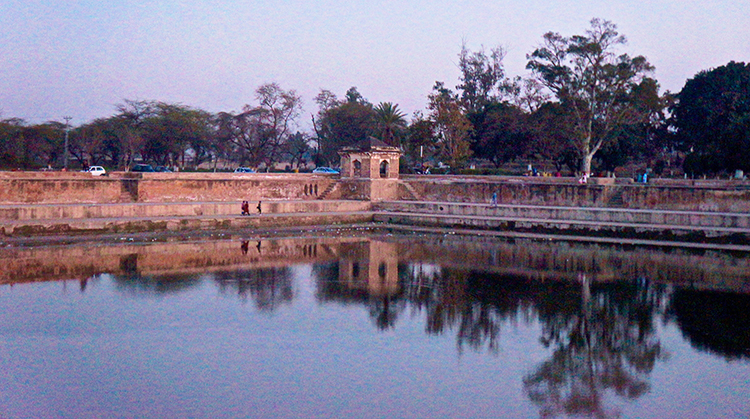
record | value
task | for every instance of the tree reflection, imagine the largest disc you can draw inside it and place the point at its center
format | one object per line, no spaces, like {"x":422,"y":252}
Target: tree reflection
{"x":605,"y":342}
{"x":602,"y":335}
{"x":444,"y":295}
{"x":717,"y":322}
{"x":268,"y":287}
{"x":384,"y":311}
{"x":155,"y":285}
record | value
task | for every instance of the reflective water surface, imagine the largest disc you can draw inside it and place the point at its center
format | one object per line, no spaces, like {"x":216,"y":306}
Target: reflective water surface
{"x":373,"y":326}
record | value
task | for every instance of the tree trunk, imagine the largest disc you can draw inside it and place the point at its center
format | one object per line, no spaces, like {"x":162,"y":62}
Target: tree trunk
{"x":586,"y":163}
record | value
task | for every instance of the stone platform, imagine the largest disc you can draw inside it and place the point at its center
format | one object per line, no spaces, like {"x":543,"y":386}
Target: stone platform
{"x":584,"y":223}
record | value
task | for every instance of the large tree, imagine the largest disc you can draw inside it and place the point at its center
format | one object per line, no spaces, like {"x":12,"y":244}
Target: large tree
{"x":592,"y":82}
{"x":495,"y":105}
{"x":551,"y":130}
{"x":173,"y":131}
{"x":342,"y":123}
{"x":258,"y":134}
{"x":712,"y":119}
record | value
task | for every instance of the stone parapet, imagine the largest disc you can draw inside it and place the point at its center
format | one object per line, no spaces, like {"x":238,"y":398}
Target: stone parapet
{"x":709,"y":196}
{"x":12,"y":213}
{"x":45,"y":187}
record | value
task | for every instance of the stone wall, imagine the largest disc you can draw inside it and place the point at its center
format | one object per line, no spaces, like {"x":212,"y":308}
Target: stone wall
{"x":50,"y":188}
{"x":57,"y":187}
{"x":729,"y":196}
{"x":27,"y":191}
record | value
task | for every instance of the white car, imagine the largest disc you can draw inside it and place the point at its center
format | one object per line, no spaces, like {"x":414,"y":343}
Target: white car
{"x":97,"y":171}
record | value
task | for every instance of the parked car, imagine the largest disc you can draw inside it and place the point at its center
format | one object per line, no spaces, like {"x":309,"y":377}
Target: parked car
{"x":244,"y":170}
{"x":163,"y":169}
{"x":324,"y":170}
{"x":96,"y":171}
{"x":142,"y":168}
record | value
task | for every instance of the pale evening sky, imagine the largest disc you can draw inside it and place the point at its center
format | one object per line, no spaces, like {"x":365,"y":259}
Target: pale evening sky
{"x":81,"y":58}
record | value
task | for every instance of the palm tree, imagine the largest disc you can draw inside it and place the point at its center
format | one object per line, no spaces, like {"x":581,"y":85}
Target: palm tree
{"x":390,"y":121}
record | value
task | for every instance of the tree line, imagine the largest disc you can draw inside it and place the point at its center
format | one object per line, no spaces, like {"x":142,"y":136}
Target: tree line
{"x":584,"y":107}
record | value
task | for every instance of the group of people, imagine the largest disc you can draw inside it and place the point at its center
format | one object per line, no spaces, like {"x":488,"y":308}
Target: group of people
{"x":246,"y":208}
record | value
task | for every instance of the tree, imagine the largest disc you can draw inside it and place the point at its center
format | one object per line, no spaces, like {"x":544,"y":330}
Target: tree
{"x":597,"y":86}
{"x":342,"y":123}
{"x":30,"y":146}
{"x":87,"y":143}
{"x":498,"y":132}
{"x":278,"y":111}
{"x":643,"y":140}
{"x":46,"y":142}
{"x":501,"y":133}
{"x":125,"y":131}
{"x":258,"y":133}
{"x":711,"y":118}
{"x":173,"y":131}
{"x":551,"y":130}
{"x":13,"y":151}
{"x":296,"y":148}
{"x":420,"y":141}
{"x":483,"y":78}
{"x":391,"y":123}
{"x":452,"y":128}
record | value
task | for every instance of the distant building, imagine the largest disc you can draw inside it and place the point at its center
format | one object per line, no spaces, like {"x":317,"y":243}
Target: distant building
{"x":372,"y":159}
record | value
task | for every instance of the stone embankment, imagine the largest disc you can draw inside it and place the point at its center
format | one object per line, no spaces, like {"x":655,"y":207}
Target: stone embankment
{"x":41,"y":204}
{"x":53,"y":219}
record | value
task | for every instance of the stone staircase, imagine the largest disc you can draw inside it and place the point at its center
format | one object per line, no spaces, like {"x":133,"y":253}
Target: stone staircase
{"x":413,"y":195}
{"x":692,"y":226}
{"x":328,"y":191}
{"x":615,"y":199}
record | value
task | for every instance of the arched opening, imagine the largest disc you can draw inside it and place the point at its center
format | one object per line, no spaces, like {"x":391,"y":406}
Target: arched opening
{"x":357,"y":165}
{"x":382,"y":271}
{"x":384,"y":168}
{"x":355,"y":270}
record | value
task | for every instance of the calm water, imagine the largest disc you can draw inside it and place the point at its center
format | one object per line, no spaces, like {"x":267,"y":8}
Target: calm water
{"x":362,"y":327}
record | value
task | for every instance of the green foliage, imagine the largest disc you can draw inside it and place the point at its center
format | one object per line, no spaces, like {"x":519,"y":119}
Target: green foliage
{"x":390,"y":122}
{"x":451,"y":127}
{"x":342,"y":124}
{"x":420,"y":143}
{"x":500,"y":133}
{"x":24,"y":146}
{"x":712,"y":119}
{"x":551,"y":130}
